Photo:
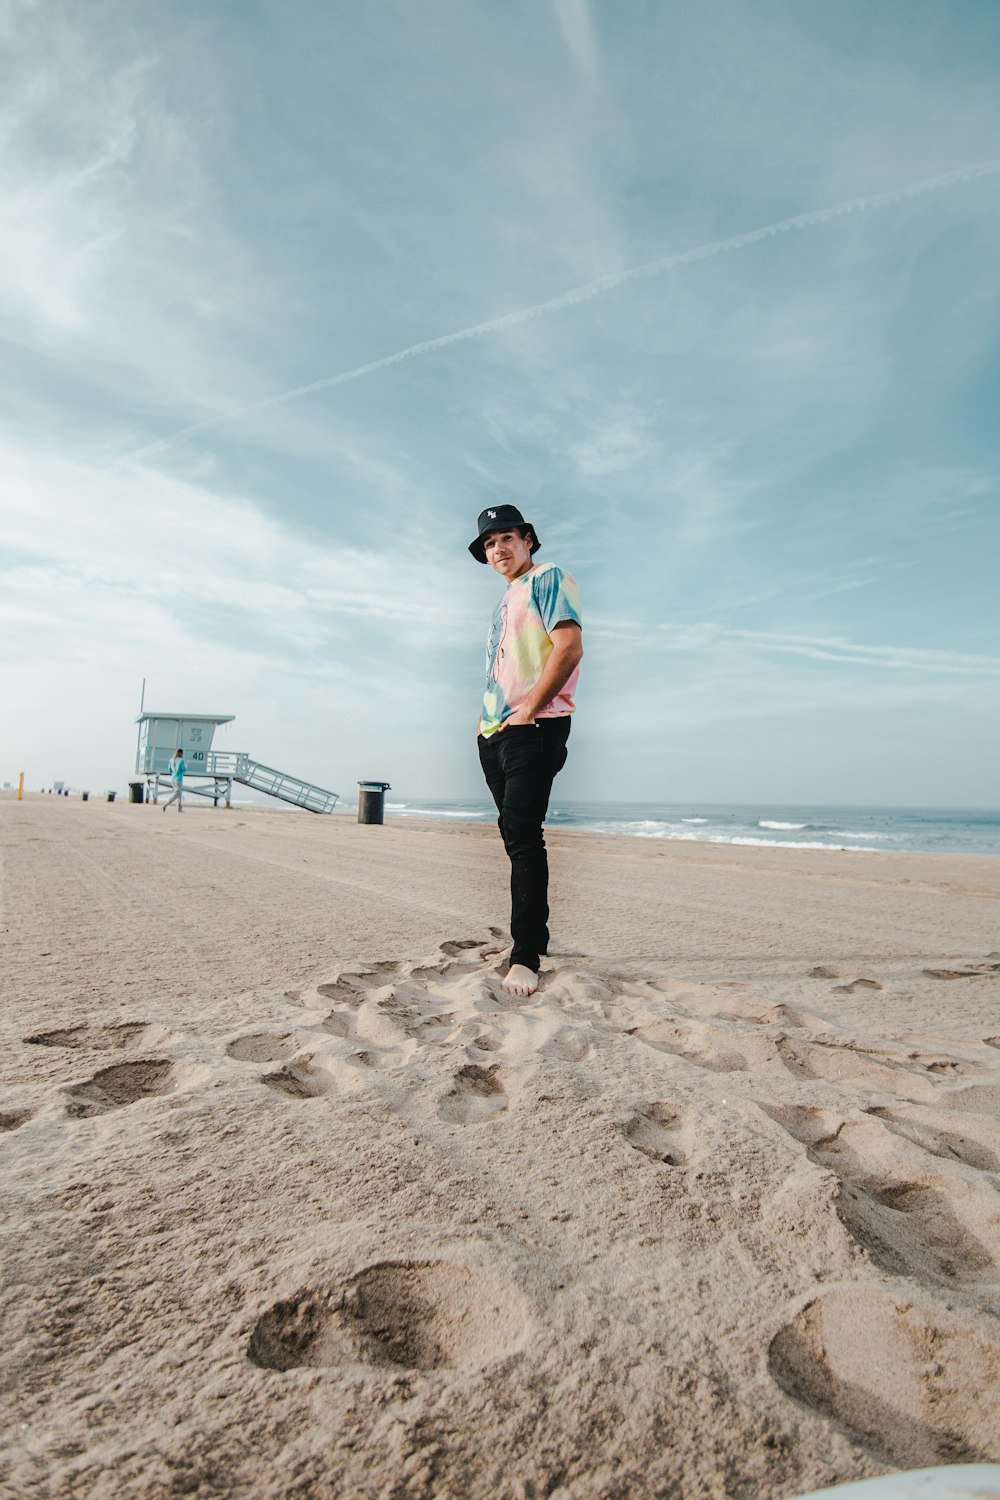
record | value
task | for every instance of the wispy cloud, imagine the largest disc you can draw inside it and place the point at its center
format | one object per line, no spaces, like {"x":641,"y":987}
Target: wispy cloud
{"x":596,"y":288}
{"x":221,"y":555}
{"x":838,"y":649}
{"x":56,"y":229}
{"x":577,"y":29}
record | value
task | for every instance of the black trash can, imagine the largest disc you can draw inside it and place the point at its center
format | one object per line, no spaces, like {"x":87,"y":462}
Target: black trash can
{"x":371,"y":801}
{"x":112,"y":796}
{"x":85,"y":795}
{"x":135,"y":791}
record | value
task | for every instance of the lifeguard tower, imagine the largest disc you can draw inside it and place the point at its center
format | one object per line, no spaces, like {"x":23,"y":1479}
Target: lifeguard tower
{"x":216,"y":770}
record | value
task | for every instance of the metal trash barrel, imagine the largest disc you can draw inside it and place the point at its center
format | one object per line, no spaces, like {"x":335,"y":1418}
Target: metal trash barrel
{"x":85,"y":795}
{"x":371,"y":801}
{"x":112,"y":796}
{"x":135,"y":791}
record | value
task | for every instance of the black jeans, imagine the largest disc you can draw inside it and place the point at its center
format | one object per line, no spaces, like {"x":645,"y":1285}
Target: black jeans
{"x":520,"y":765}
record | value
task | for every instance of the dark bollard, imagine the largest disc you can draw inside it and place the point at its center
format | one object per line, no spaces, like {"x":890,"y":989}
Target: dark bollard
{"x":371,"y":801}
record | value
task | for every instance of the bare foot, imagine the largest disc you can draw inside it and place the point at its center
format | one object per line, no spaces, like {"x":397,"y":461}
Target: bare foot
{"x":520,"y":981}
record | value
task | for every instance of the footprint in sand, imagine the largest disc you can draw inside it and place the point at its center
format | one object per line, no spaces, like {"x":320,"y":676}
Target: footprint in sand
{"x":908,"y":1221}
{"x":351,"y":988}
{"x":992,"y":1041}
{"x":836,"y":1062}
{"x":477,"y":1095}
{"x":658,"y":1132}
{"x":375,"y":976}
{"x":459,"y":947}
{"x":974,"y":1143}
{"x":343,"y":991}
{"x":825,"y":971}
{"x":704,"y":1046}
{"x":434,"y":973}
{"x":567,"y":1045}
{"x":97,"y":1038}
{"x":855,"y":985}
{"x":913,"y":1384}
{"x":811,"y":1127}
{"x":262,"y":1046}
{"x":403,"y":1011}
{"x":337,"y":1024}
{"x":977,"y":1098}
{"x":120,"y":1085}
{"x":975,"y":972}
{"x":411,"y":1315}
{"x":301,"y":1079}
{"x":13,"y":1119}
{"x":774,"y":1015}
{"x":950,"y":1067}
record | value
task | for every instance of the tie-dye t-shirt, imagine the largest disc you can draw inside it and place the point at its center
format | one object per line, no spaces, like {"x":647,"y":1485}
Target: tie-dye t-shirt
{"x":520,"y":643}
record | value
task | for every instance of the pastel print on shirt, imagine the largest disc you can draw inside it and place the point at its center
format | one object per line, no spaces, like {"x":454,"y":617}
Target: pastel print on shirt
{"x":520,"y":643}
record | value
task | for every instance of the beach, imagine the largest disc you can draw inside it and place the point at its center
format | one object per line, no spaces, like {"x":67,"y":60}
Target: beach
{"x":296,"y":1202}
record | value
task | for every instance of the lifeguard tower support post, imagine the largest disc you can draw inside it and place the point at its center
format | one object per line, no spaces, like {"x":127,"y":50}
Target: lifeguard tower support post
{"x":161,"y":734}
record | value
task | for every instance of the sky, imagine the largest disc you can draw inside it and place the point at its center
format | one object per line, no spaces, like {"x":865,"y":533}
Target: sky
{"x":290,"y":292}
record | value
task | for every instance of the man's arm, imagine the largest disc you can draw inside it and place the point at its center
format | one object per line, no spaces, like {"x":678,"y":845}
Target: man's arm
{"x":564,"y":658}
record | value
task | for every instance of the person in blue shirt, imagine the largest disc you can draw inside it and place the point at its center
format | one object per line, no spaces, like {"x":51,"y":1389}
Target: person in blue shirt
{"x":176,"y":774}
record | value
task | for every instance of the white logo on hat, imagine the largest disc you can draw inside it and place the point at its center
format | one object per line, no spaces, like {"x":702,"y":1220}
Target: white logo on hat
{"x":492,"y":514}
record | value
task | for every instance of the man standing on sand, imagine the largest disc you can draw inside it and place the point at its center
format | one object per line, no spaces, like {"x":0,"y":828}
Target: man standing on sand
{"x":533,"y":650}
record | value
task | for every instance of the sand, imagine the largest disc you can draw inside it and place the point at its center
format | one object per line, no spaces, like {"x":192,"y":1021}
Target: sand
{"x":297,"y":1203}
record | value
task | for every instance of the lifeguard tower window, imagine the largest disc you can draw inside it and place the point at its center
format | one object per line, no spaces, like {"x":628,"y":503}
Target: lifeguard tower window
{"x":161,"y":734}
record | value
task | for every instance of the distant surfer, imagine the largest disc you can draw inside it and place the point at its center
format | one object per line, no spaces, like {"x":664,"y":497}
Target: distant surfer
{"x":533,"y":653}
{"x":176,"y":773}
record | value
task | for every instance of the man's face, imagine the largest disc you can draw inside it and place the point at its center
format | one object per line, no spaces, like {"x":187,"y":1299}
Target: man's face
{"x":508,"y":552}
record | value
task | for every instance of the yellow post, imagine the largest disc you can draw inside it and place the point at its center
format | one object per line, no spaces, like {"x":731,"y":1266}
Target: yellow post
{"x":20,"y":786}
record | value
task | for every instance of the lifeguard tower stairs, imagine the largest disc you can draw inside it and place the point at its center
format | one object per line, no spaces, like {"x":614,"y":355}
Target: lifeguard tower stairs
{"x":211,"y":773}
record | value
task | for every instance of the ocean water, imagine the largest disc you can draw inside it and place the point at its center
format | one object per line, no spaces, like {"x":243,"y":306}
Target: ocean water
{"x":905,"y":829}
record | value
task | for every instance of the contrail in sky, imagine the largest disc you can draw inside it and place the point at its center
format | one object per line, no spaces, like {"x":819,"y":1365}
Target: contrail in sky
{"x":577,"y":295}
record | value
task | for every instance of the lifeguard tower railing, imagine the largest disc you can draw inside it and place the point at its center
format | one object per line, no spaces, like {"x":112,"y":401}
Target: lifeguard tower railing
{"x":236,"y":766}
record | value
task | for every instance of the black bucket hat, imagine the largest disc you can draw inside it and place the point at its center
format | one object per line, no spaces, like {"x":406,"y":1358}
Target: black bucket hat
{"x":500,"y":518}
